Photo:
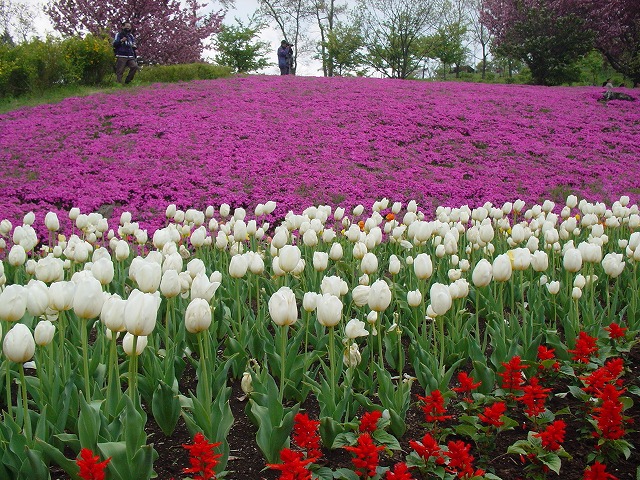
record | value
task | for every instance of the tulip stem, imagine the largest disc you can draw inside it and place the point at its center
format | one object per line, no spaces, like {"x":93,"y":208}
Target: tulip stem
{"x":440,"y":320}
{"x":283,"y":352}
{"x":478,"y":318}
{"x":332,"y":367}
{"x":203,"y":369}
{"x":85,"y":359}
{"x":25,"y":407}
{"x":8,"y":388}
{"x":133,"y":371}
{"x":113,"y":369}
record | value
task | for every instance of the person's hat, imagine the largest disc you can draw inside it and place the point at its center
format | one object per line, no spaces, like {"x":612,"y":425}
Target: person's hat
{"x":284,"y":42}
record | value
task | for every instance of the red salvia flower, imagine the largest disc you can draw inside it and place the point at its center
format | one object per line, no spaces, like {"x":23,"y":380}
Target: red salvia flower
{"x":585,"y":348}
{"x":466,"y":386}
{"x":91,"y":468}
{"x":512,"y":376}
{"x":608,"y":415}
{"x":598,"y":471}
{"x":460,"y":460}
{"x":305,"y":435}
{"x":545,"y":353}
{"x":428,"y":448}
{"x":552,"y":436}
{"x":433,"y":407}
{"x":366,"y":455}
{"x":369,"y":421}
{"x":616,"y":331}
{"x":202,"y":458}
{"x":400,"y":472}
{"x":608,"y":373}
{"x":535,"y":396}
{"x":491,"y":415}
{"x":293,"y":466}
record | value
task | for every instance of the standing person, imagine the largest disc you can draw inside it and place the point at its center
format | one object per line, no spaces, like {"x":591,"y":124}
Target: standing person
{"x":285,"y":57}
{"x":124,"y":46}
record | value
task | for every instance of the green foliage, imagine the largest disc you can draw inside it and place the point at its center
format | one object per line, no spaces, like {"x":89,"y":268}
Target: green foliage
{"x":91,"y":58}
{"x":182,"y":73}
{"x":447,"y":46}
{"x":39,"y":65}
{"x":550,"y":45}
{"x":239,"y":51}
{"x":344,"y":44}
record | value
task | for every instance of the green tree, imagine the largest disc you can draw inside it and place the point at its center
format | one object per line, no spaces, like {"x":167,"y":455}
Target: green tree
{"x":532,"y":31}
{"x":344,"y":49}
{"x":238,"y":48}
{"x":447,"y":45}
{"x":392,"y":30}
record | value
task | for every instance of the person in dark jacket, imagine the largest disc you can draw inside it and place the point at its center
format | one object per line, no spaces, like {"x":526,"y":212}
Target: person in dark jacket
{"x":285,"y":57}
{"x":124,"y":46}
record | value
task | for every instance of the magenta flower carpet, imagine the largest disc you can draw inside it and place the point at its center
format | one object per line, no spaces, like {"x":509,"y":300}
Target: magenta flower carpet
{"x":303,"y":141}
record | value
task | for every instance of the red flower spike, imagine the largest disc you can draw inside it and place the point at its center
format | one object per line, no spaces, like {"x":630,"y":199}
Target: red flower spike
{"x":293,"y":466}
{"x":585,"y":348}
{"x":608,"y":373}
{"x":466,"y":385}
{"x":545,"y":353}
{"x":305,"y":435}
{"x":91,"y":468}
{"x":201,"y":457}
{"x":598,"y":471}
{"x":369,"y":421}
{"x":366,"y":456}
{"x":460,"y":460}
{"x":400,"y":472}
{"x":491,"y":415}
{"x":535,"y":396}
{"x":512,"y":376}
{"x":608,"y":415}
{"x":433,"y":407}
{"x":616,"y":331}
{"x":428,"y":448}
{"x":553,"y":436}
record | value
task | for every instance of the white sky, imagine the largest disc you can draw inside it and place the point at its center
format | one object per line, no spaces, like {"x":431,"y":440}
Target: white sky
{"x":243,"y":10}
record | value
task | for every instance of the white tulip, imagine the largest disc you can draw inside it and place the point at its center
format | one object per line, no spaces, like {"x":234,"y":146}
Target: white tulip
{"x":329,"y":310}
{"x":13,"y":303}
{"x":282,"y":307}
{"x":440,"y":298}
{"x":334,"y":285}
{"x":482,"y":273}
{"x":44,"y":332}
{"x":502,"y":268}
{"x":61,"y":295}
{"x":320,"y":261}
{"x":360,"y":295}
{"x":19,"y":345}
{"x":37,"y":297}
{"x":127,"y":344}
{"x":352,"y":357}
{"x":197,"y":316}
{"x":379,"y":296}
{"x":414,"y":298}
{"x":422,"y":266}
{"x":369,"y":263}
{"x":112,"y":313}
{"x":355,"y":328}
{"x":141,"y":312}
{"x":572,"y":260}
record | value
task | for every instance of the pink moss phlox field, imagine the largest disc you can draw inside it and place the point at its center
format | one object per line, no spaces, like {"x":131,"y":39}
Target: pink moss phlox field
{"x":302,"y":141}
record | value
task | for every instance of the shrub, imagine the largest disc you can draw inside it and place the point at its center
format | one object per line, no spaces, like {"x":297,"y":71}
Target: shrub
{"x":182,"y":73}
{"x":91,"y":58}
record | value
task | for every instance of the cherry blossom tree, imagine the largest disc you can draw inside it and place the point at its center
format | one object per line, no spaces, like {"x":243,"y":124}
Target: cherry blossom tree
{"x":167,"y":32}
{"x":534,"y":31}
{"x":616,"y":24}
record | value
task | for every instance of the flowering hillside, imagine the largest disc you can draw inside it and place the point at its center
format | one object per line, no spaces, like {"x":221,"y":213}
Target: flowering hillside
{"x":302,"y":141}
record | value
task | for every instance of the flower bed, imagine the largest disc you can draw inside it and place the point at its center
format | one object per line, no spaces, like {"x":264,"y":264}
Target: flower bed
{"x":507,"y":327}
{"x":302,"y":141}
